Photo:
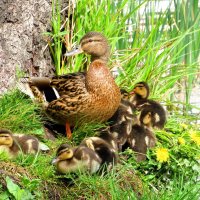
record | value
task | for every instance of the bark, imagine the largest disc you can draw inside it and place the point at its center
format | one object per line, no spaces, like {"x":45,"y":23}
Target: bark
{"x":22,"y":44}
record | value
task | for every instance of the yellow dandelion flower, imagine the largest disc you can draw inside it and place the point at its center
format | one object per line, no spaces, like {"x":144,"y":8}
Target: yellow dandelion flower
{"x":162,"y":155}
{"x":194,"y":137}
{"x":181,"y":140}
{"x":185,"y":126}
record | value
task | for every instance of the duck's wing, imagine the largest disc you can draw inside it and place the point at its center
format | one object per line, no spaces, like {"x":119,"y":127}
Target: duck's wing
{"x":46,"y":89}
{"x":38,"y":89}
{"x":73,"y":99}
{"x":70,"y":85}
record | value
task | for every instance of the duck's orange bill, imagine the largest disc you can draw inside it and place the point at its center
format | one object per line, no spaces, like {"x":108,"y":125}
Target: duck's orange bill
{"x":68,"y":130}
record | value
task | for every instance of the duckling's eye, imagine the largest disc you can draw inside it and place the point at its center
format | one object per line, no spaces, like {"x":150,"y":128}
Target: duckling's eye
{"x":90,"y":40}
{"x":4,"y":136}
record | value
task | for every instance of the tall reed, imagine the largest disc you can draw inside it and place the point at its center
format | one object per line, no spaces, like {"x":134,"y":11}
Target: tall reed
{"x":186,"y":18}
{"x":55,"y":40}
{"x":159,"y":47}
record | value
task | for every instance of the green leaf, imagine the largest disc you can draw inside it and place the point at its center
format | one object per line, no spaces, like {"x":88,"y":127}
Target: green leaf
{"x":17,"y":192}
{"x":4,"y":196}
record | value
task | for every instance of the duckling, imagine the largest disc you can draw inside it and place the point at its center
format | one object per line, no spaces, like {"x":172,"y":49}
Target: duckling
{"x":121,"y":132}
{"x":139,"y":140}
{"x":147,"y":106}
{"x":105,"y":134}
{"x":125,"y":110}
{"x":13,"y":144}
{"x":71,"y":159}
{"x":124,"y":94}
{"x":121,"y":122}
{"x":87,"y":97}
{"x":139,"y":94}
{"x":153,"y":115}
{"x":104,"y":150}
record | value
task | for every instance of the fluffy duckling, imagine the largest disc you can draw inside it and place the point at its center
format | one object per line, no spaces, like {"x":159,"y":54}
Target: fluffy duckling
{"x":105,"y":148}
{"x":121,"y":131}
{"x":124,"y":94}
{"x":71,"y":159}
{"x":106,"y":135}
{"x":139,"y":140}
{"x":152,"y":115}
{"x":13,"y":144}
{"x":87,"y":97}
{"x":121,"y":122}
{"x":124,"y":112}
{"x":147,"y":106}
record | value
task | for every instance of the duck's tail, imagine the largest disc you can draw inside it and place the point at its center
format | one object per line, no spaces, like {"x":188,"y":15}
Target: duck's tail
{"x":24,"y":86}
{"x":38,"y":88}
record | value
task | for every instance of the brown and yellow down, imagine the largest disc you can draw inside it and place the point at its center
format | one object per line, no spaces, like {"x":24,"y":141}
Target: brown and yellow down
{"x":13,"y":144}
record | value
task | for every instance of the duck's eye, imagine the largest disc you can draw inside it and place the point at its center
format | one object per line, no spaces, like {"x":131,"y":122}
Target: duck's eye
{"x":76,"y":47}
{"x":90,"y":40}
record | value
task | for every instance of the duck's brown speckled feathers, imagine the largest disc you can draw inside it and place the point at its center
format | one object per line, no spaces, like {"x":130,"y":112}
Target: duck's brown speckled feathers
{"x":85,"y":97}
{"x":69,"y":84}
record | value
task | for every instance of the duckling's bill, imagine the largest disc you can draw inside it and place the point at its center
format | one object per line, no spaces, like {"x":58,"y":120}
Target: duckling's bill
{"x":54,"y":161}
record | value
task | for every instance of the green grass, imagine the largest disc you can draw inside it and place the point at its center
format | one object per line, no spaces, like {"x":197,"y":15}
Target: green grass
{"x":17,"y":113}
{"x":175,"y":179}
{"x":186,"y":17}
{"x":166,"y":58}
{"x":55,"y":40}
{"x":179,"y":189}
{"x":164,"y":52}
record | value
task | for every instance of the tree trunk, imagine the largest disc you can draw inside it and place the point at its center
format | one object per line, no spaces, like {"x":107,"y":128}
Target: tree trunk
{"x":22,"y":44}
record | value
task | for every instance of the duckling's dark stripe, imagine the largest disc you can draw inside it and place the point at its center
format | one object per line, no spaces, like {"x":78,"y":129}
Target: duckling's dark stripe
{"x":140,"y":86}
{"x":4,"y":135}
{"x":62,"y":151}
{"x":3,"y":131}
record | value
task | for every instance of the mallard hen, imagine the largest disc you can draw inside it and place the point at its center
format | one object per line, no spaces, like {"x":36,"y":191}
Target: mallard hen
{"x":81,"y":97}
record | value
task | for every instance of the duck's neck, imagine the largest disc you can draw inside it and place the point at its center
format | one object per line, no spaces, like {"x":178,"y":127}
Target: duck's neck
{"x":15,"y":148}
{"x":140,"y":98}
{"x":103,"y":58}
{"x":99,"y":77}
{"x":137,"y":99}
